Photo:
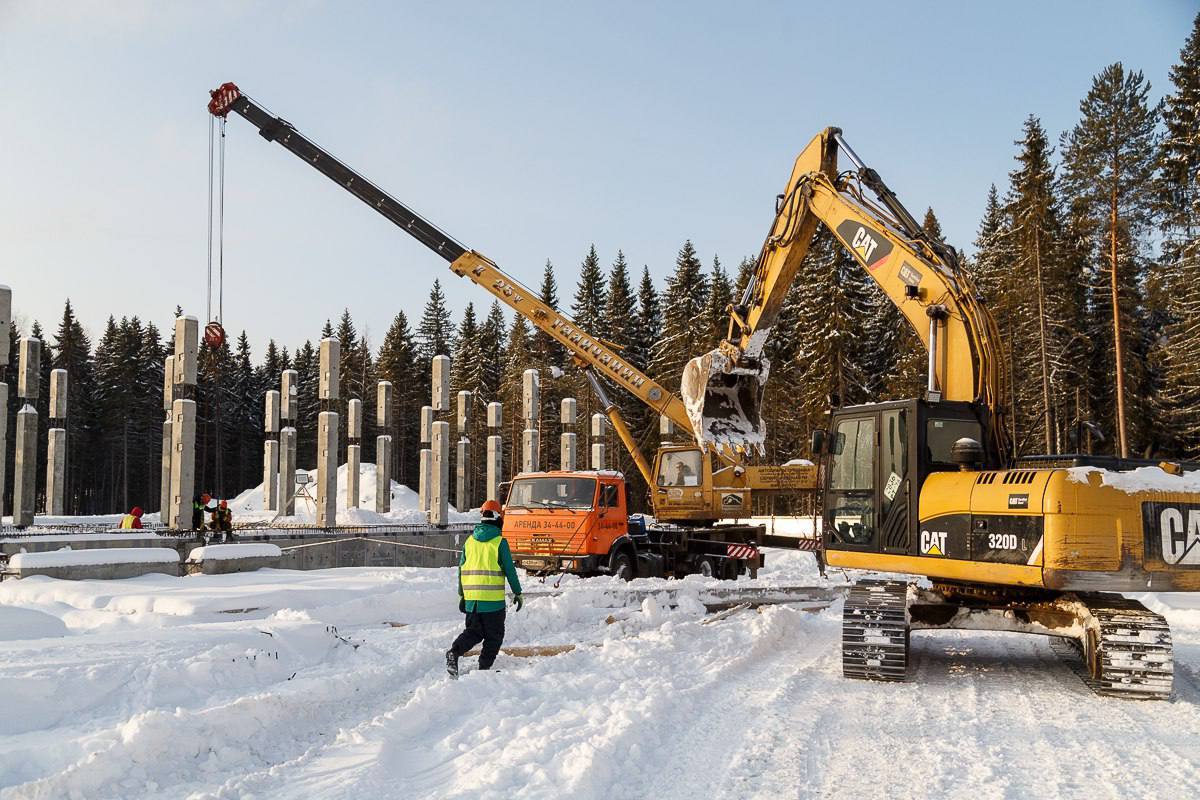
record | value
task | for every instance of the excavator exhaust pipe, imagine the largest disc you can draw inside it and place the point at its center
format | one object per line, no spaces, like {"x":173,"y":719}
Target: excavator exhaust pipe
{"x":724,"y":402}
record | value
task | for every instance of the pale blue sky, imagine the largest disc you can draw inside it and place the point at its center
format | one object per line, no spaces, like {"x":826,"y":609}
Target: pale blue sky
{"x":526,"y":130}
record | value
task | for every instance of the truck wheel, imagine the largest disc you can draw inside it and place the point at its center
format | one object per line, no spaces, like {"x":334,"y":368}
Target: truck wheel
{"x":622,"y":566}
{"x":707,"y":567}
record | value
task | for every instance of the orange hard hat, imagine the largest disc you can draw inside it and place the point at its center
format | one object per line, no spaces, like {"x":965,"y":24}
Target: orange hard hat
{"x":492,"y":505}
{"x":204,"y":498}
{"x":137,"y":511}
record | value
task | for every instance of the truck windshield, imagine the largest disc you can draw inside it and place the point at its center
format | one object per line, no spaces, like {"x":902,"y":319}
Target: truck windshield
{"x":573,"y":493}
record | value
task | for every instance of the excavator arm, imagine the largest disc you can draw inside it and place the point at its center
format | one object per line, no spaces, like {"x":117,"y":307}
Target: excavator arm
{"x":585,"y":349}
{"x":722,"y":389}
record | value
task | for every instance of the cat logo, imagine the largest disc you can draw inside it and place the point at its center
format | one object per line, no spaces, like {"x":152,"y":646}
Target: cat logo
{"x":1173,"y":532}
{"x":732,"y":500}
{"x":869,"y":246}
{"x":933,"y":543}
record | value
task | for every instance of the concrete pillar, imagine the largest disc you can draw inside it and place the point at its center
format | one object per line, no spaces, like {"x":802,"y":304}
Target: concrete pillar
{"x":353,"y":465}
{"x":566,"y":451}
{"x":56,"y":471}
{"x":383,"y":474}
{"x":463,"y":417}
{"x":28,"y":384}
{"x":29,"y":369}
{"x":56,"y":445}
{"x":495,"y":415}
{"x":168,"y":384}
{"x":164,"y":483}
{"x":25,"y":477}
{"x":567,"y":412}
{"x":3,"y":436}
{"x":178,"y":513}
{"x":58,"y":395}
{"x":530,"y":396}
{"x":424,"y":477}
{"x":353,"y":450}
{"x":331,"y":353}
{"x":529,"y":450}
{"x":426,"y":424}
{"x":271,"y":405}
{"x":5,"y":352}
{"x":441,"y":383}
{"x":599,"y":421}
{"x":187,"y":346}
{"x":289,"y":396}
{"x":287,"y":471}
{"x":271,"y":480}
{"x":439,"y":495}
{"x":495,"y":461}
{"x":327,"y":450}
{"x":666,"y":428}
{"x":462,"y":476}
{"x":383,"y":405}
{"x":183,"y":464}
{"x":327,"y":433}
{"x":598,"y":456}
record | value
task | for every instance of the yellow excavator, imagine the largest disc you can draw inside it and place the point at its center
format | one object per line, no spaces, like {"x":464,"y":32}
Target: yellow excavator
{"x":928,"y":487}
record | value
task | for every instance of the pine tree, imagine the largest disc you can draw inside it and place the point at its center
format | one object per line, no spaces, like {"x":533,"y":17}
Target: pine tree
{"x":683,"y":303}
{"x":307,"y":364}
{"x":620,"y":311}
{"x":932,"y":226}
{"x":745,"y":271}
{"x":648,"y":323}
{"x":1178,"y":202}
{"x":588,"y":309}
{"x":466,"y":372}
{"x":1108,"y":160}
{"x":720,"y":297}
{"x":435,"y":331}
{"x":491,"y":352}
{"x":1045,"y":318}
{"x":397,"y":363}
{"x":547,"y":353}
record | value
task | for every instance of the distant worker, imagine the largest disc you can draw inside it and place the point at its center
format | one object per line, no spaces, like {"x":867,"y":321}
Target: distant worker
{"x":210,"y":506}
{"x":225,"y":520}
{"x":485,"y":562}
{"x":132,"y":520}
{"x":198,"y":503}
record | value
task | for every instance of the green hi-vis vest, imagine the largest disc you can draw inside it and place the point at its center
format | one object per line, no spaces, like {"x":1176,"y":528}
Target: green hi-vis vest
{"x":482,"y":578}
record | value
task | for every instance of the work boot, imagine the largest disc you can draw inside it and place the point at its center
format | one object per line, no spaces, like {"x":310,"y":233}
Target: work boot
{"x":452,"y":664}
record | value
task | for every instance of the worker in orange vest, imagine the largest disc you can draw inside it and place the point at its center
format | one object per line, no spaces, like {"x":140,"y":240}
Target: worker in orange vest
{"x":132,"y":520}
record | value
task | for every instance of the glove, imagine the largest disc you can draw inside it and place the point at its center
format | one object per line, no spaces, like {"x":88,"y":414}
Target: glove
{"x":519,"y":599}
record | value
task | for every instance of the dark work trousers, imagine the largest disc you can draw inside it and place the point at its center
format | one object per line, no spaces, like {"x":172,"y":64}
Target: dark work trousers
{"x":482,"y":626}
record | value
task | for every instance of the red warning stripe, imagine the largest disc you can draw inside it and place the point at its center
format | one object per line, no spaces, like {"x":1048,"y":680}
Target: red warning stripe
{"x":745,"y":551}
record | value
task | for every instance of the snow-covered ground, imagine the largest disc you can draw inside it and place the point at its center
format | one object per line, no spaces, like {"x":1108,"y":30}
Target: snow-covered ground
{"x":330,"y":684}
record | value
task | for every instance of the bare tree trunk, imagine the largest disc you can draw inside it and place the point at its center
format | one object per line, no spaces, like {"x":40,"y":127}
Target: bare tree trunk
{"x":1037,"y":264}
{"x":1116,"y":312}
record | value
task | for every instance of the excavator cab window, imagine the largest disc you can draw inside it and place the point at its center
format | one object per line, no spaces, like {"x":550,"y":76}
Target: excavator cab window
{"x":851,"y":501}
{"x":940,"y":436}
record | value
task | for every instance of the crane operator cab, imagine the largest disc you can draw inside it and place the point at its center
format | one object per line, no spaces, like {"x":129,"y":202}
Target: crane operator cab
{"x":878,"y":457}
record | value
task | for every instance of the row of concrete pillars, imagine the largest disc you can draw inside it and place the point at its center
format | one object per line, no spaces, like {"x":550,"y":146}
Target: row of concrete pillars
{"x":29,"y":376}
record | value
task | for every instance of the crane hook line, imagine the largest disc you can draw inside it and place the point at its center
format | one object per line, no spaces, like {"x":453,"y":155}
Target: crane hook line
{"x":208,"y":239}
{"x":221,"y":234}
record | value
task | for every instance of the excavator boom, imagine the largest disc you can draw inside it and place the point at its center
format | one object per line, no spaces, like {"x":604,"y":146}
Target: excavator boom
{"x":722,"y":389}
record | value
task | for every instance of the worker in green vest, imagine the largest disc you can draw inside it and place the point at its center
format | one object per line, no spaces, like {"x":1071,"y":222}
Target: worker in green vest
{"x":485,"y":563}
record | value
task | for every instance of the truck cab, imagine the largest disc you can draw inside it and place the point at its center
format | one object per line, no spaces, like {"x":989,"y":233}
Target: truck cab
{"x":569,"y":521}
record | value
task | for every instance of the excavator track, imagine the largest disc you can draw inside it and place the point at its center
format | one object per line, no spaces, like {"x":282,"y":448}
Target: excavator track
{"x":1127,"y":651}
{"x":875,"y":631}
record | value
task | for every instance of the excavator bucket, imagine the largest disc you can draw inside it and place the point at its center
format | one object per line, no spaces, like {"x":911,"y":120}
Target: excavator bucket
{"x":724,"y":402}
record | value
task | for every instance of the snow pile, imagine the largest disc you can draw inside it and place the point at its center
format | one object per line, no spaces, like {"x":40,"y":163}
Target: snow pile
{"x":404,"y":504}
{"x":1142,"y":479}
{"x":27,"y":623}
{"x":226,"y":552}
{"x":66,"y":557}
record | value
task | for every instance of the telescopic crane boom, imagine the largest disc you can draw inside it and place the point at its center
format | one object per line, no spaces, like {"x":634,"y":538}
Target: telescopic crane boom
{"x":601,"y":357}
